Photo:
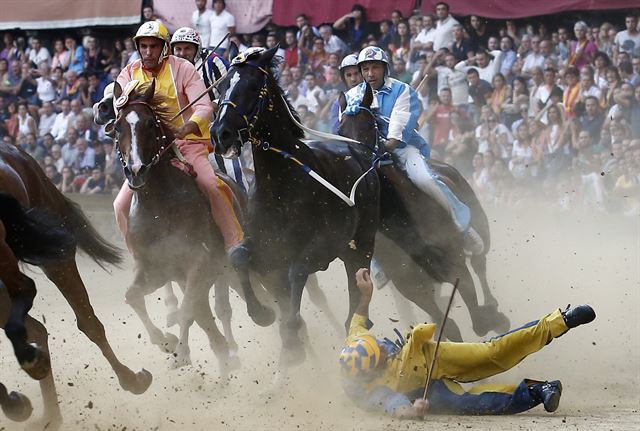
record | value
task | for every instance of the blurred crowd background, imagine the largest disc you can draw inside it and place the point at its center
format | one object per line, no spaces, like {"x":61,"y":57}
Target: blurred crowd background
{"x":529,"y":108}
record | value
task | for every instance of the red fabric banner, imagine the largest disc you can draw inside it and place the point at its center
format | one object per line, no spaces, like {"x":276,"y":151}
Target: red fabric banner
{"x":503,"y":9}
{"x":285,"y":11}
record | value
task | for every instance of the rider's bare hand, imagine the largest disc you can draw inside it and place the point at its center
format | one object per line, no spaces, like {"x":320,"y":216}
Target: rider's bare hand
{"x":391,"y":144}
{"x":364,"y":283}
{"x":186,"y":129}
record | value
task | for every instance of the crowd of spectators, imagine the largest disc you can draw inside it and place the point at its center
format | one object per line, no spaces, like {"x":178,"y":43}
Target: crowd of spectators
{"x":521,"y":111}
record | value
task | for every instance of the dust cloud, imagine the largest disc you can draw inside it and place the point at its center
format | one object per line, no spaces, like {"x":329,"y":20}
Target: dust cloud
{"x":539,"y":261}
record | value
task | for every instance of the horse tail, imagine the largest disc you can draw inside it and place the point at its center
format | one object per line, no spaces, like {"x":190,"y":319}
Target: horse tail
{"x":88,"y":239}
{"x":35,"y":235}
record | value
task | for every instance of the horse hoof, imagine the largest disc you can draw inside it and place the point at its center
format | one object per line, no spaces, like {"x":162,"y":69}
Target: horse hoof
{"x":503,"y":324}
{"x":265,"y":316}
{"x":293,"y":356}
{"x":481,"y":328}
{"x":139,"y":384}
{"x":172,"y":319}
{"x":17,"y":407}
{"x":40,"y":367}
{"x":169,"y":343}
{"x":233,"y":363}
{"x":179,"y":361}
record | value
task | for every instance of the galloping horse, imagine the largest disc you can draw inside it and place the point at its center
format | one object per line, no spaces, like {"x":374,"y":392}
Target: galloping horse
{"x":171,"y":232}
{"x":421,"y":228}
{"x":295,"y":225}
{"x":49,"y":240}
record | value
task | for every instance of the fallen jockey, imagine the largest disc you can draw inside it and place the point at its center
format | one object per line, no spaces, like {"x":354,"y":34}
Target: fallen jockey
{"x":380,"y":375}
{"x":400,"y":108}
{"x":179,"y":82}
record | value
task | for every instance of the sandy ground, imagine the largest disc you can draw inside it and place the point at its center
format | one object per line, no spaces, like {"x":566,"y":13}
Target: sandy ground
{"x":538,"y":262}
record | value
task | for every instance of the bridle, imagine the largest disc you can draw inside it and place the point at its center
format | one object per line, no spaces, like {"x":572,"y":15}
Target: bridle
{"x":251,"y":118}
{"x":161,"y":138}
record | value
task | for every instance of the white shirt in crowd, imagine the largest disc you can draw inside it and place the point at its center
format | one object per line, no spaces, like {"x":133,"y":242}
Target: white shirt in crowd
{"x":60,"y":126}
{"x":443,"y":37}
{"x":456,"y":81}
{"x":46,"y":123}
{"x":426,"y":35}
{"x":532,"y":61}
{"x":46,"y":90}
{"x":315,"y":97}
{"x":489,"y":71}
{"x":220,"y":27}
{"x":627,"y":43}
{"x":202,"y":23}
{"x":36,"y":57}
{"x":334,"y":44}
{"x":592,"y":91}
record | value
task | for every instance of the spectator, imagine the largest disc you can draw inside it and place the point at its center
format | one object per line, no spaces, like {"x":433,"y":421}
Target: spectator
{"x":76,"y":55}
{"x":94,"y":184}
{"x":201,"y":21}
{"x":455,"y":80}
{"x":401,"y":45}
{"x":296,"y":99}
{"x":501,"y":94}
{"x":582,"y":50}
{"x":26,"y":123}
{"x":10,"y":51}
{"x":534,"y":58}
{"x":355,"y":26}
{"x":130,"y":54}
{"x":386,"y":34}
{"x":67,"y":181}
{"x":439,"y":117}
{"x":601,"y":62}
{"x":47,"y":119}
{"x":592,"y":119}
{"x":461,"y":47}
{"x":521,"y":155}
{"x":443,"y":36}
{"x":45,"y":88}
{"x":332,"y":43}
{"x":318,"y":58}
{"x":95,"y":87}
{"x":32,"y":148}
{"x":424,"y":40}
{"x":11,"y":123}
{"x":487,"y":64}
{"x":587,"y":86}
{"x":63,"y":121}
{"x":92,"y":55}
{"x":221,"y":23}
{"x":542,"y":96}
{"x":61,"y":56}
{"x":148,"y":14}
{"x":38,"y":53}
{"x":478,"y":34}
{"x":628,"y":40}
{"x":315,"y":96}
{"x":572,"y":91}
{"x":479,"y":89}
{"x":85,"y":156}
{"x":52,"y":173}
{"x":613,"y":83}
{"x":400,"y":71}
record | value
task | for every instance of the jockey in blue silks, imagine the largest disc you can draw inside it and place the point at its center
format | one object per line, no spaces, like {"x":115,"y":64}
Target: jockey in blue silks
{"x":399,"y":108}
{"x":185,"y":43}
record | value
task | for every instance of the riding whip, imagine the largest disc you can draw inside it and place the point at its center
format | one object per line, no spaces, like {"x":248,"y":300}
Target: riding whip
{"x":199,"y":97}
{"x":440,"y":332}
{"x":213,"y":51}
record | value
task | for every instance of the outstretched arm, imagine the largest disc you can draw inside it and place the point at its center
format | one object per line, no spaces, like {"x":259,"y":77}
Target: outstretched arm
{"x":365,"y":285}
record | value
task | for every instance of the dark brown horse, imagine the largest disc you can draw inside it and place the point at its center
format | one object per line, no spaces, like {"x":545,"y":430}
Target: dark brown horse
{"x":421,"y":246}
{"x":171,"y":232}
{"x":42,"y":227}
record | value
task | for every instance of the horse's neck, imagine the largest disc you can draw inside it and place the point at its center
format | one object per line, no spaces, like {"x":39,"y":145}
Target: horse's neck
{"x":163,"y":187}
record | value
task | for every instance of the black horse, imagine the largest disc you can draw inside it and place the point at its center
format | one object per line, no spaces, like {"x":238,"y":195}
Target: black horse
{"x":430,"y":245}
{"x":171,"y":232}
{"x":296,"y":226}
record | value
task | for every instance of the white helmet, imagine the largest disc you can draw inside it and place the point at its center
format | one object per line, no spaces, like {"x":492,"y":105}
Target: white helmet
{"x":373,"y":53}
{"x":186,"y":34}
{"x":348,"y":61}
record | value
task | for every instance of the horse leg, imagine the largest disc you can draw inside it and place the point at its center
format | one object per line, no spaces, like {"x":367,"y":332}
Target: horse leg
{"x":171,"y":302}
{"x":223,"y":311}
{"x":259,"y":313}
{"x":292,"y":343}
{"x":135,"y":295}
{"x":217,"y":341}
{"x":65,"y":276}
{"x":319,"y":299}
{"x":182,"y":352}
{"x":15,"y":406}
{"x":479,"y":265}
{"x":21,"y":291}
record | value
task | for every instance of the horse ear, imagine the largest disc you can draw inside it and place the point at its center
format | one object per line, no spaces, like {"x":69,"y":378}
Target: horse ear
{"x":117,"y":90}
{"x":148,"y":95}
{"x":266,"y":57}
{"x":233,"y":50}
{"x":367,"y":100}
{"x":342,"y":101}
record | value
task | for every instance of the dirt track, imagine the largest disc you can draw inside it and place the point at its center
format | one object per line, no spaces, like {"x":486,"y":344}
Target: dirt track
{"x":538,"y":262}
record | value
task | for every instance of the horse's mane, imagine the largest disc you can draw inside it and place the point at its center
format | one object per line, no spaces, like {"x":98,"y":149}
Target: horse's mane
{"x":160,"y":105}
{"x":273,"y":84}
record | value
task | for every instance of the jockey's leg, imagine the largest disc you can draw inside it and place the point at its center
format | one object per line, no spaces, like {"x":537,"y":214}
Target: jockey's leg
{"x":423,"y":177}
{"x":121,"y":206}
{"x":219,"y":194}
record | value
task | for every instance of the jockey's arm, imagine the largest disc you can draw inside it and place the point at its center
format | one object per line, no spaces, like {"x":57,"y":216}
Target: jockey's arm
{"x":404,"y":117}
{"x":193,"y":88}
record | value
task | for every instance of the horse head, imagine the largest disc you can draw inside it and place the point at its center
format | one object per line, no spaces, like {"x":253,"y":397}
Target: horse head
{"x":244,"y":93}
{"x":140,"y":135}
{"x":360,"y":123}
